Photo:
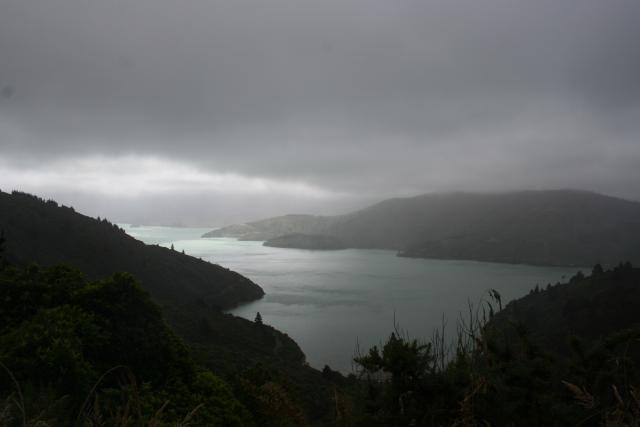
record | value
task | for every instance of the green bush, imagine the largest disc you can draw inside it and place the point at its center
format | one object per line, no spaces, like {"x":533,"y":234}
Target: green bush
{"x":102,"y":352}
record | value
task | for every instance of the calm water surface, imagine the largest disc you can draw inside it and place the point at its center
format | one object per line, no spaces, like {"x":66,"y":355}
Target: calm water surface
{"x":332,"y":301}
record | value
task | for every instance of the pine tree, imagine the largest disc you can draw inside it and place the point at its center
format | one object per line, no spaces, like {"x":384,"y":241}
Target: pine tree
{"x":258,"y":318}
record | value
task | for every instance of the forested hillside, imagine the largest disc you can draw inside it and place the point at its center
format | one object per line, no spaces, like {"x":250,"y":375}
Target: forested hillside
{"x":43,"y":232}
{"x":585,"y":309}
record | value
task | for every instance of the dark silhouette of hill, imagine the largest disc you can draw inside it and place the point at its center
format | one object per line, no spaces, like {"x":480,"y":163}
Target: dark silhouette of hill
{"x":43,"y":232}
{"x":586,"y":308}
{"x":191,"y":293}
{"x":559,"y":227}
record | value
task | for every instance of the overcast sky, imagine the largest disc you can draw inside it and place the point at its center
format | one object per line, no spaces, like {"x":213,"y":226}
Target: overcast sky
{"x":208,"y":112}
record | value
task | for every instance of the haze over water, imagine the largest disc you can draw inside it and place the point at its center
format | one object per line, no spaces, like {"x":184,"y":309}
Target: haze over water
{"x":331,"y":301}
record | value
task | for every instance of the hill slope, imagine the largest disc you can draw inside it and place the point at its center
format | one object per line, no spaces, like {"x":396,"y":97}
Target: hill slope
{"x":560,"y":227}
{"x":48,"y":234}
{"x":588,"y":308}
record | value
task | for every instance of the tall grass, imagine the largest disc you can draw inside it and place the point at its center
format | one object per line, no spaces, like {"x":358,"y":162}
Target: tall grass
{"x":93,"y":412}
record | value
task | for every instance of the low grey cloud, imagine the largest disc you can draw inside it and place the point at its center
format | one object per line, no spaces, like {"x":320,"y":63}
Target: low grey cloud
{"x":356,"y":99}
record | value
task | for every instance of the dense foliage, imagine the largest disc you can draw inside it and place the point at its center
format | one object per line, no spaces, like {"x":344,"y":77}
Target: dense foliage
{"x":72,"y":348}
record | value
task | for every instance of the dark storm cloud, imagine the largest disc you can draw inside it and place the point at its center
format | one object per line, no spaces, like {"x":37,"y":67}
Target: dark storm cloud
{"x":385,"y":97}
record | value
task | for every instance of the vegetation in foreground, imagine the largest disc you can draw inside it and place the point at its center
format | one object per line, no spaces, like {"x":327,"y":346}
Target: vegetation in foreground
{"x":100,"y":353}
{"x":586,"y":373}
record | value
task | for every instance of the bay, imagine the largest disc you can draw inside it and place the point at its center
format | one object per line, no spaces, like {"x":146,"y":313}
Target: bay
{"x":336,"y":303}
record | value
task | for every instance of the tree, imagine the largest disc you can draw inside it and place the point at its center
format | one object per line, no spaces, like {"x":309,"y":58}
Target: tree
{"x":172,"y":248}
{"x":597,"y":270}
{"x":409,"y":368}
{"x":2,"y":240}
{"x":258,"y":318}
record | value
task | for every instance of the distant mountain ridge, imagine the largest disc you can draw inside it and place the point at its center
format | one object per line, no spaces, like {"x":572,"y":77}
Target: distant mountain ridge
{"x":275,"y":227}
{"x":554,"y":227}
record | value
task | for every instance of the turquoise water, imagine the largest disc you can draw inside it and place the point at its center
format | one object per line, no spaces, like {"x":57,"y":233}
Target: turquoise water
{"x":330,"y":302}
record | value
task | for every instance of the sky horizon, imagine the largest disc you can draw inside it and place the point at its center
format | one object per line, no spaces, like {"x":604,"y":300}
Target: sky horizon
{"x":213,"y":112}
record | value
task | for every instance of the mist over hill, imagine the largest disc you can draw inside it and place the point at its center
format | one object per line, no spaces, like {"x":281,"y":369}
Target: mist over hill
{"x":556,"y":227}
{"x":277,"y":226}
